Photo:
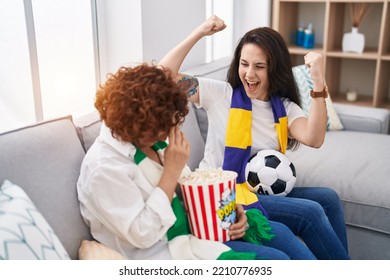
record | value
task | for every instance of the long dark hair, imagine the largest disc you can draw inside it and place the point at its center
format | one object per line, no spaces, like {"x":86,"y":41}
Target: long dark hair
{"x":280,"y":75}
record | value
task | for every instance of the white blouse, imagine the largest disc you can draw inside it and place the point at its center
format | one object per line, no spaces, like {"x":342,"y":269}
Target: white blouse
{"x":123,"y":209}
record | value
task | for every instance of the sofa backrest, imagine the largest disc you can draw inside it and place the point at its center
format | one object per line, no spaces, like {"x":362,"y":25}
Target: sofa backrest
{"x":363,"y":118}
{"x":44,"y":159}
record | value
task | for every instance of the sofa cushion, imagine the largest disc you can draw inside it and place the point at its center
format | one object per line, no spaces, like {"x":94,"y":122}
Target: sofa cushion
{"x":192,"y":131}
{"x":356,"y":165}
{"x":24,"y":232}
{"x":88,"y":128}
{"x":44,"y":159}
{"x":305,"y":84}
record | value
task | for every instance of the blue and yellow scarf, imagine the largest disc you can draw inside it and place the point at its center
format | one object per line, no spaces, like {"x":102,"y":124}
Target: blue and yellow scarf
{"x":237,"y":152}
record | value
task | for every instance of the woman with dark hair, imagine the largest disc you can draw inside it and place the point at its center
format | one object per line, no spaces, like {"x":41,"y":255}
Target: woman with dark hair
{"x":259,"y":106}
{"x":128,"y":179}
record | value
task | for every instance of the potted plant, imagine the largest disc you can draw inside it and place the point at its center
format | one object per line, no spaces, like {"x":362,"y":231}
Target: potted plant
{"x":355,"y":41}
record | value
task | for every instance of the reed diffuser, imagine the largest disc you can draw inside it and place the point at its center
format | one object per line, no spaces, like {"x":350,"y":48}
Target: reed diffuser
{"x":355,"y":41}
{"x":357,"y":11}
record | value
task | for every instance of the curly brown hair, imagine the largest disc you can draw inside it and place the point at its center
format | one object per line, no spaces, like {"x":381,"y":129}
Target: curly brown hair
{"x":140,"y":100}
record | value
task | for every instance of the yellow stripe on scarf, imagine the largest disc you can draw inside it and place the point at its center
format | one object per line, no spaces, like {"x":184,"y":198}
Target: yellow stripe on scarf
{"x":282,"y":132}
{"x":239,"y":129}
{"x":244,"y":195}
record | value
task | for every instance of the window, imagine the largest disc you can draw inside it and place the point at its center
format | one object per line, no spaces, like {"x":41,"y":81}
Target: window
{"x":16,"y":99}
{"x":65,"y":56}
{"x":221,"y":44}
{"x":47,"y":54}
{"x":51,"y":60}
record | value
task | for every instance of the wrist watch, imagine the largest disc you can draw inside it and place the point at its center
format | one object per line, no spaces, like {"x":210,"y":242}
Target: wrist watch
{"x":324,"y":93}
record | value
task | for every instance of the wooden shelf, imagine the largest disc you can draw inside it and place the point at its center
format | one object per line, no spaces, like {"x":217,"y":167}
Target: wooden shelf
{"x":362,"y":100}
{"x":368,"y":73}
{"x":303,"y":51}
{"x":364,"y":55}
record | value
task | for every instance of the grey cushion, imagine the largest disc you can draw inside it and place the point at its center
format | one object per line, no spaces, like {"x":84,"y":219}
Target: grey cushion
{"x":44,"y":159}
{"x":192,"y":132}
{"x":357,"y":166}
{"x":366,"y":244}
{"x":203,"y":122}
{"x":88,"y":128}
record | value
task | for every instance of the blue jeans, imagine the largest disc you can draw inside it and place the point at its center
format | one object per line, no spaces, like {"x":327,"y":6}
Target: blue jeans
{"x":314,"y":213}
{"x":284,"y":246}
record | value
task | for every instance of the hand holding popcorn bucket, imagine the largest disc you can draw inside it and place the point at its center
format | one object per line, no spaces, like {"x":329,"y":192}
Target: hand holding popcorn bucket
{"x":210,"y":201}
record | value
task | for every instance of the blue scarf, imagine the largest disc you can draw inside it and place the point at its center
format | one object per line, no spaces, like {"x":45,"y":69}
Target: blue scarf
{"x":237,"y":152}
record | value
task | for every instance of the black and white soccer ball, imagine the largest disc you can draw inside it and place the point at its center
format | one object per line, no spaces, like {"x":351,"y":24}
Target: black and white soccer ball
{"x":270,"y":172}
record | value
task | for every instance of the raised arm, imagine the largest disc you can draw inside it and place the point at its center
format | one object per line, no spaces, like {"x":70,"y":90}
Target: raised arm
{"x":311,"y":131}
{"x":175,"y":57}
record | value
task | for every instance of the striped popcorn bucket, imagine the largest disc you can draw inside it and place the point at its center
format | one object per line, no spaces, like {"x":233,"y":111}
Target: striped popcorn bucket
{"x":211,"y":206}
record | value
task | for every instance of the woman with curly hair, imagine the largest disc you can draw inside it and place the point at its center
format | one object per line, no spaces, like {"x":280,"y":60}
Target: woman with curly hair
{"x":128,"y":177}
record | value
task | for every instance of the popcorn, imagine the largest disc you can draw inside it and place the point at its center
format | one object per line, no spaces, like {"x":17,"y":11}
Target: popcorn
{"x":209,"y":198}
{"x":207,"y":176}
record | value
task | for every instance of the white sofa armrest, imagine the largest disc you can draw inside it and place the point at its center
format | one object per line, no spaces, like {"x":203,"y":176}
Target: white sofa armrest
{"x":361,"y":118}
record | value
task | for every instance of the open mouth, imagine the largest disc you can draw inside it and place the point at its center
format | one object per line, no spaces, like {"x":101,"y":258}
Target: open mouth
{"x":252,"y":85}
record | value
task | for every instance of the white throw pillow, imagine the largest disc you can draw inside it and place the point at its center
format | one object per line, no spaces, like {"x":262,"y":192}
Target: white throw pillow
{"x":305,"y":84}
{"x":24,"y":232}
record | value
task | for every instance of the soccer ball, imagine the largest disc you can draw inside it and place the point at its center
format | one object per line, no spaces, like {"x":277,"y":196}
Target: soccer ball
{"x":270,"y":172}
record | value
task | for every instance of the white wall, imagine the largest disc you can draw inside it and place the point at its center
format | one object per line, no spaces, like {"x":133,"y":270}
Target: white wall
{"x":249,"y":14}
{"x":133,"y":31}
{"x":221,"y":44}
{"x":166,"y":23}
{"x":120,"y":34}
{"x":143,"y":31}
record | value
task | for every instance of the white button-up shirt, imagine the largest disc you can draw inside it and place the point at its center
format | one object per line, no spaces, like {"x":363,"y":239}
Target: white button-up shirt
{"x":123,"y":209}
